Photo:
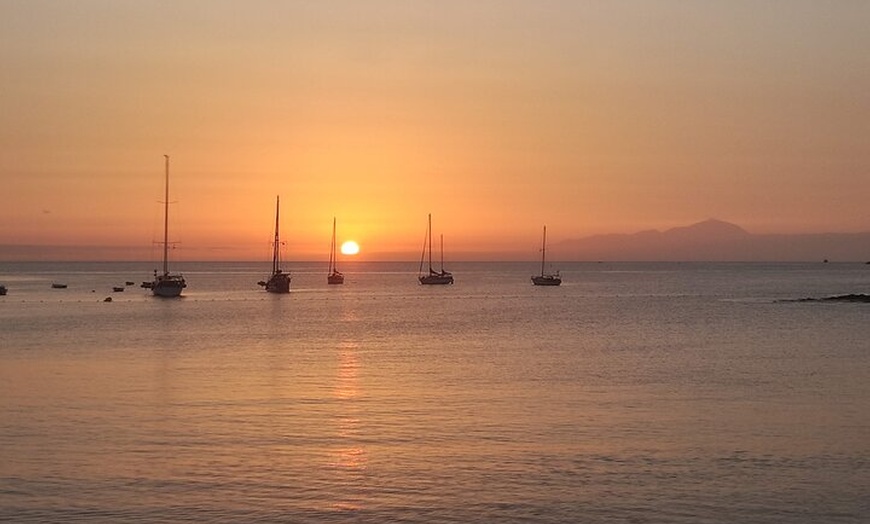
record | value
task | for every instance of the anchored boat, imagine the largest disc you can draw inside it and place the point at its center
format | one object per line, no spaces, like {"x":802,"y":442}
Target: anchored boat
{"x":166,"y":284}
{"x":334,"y":276}
{"x":546,"y":279}
{"x":433,"y":277}
{"x":279,"y":281}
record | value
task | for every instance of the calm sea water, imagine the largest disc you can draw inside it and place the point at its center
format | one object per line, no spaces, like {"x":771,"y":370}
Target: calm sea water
{"x":632,"y":393}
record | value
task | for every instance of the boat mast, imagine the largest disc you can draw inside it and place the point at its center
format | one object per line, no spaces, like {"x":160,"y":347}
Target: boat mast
{"x":166,"y":219}
{"x":442,"y":254}
{"x":276,"y":248}
{"x":543,"y":250}
{"x":332,"y":249}
{"x":430,"y":243}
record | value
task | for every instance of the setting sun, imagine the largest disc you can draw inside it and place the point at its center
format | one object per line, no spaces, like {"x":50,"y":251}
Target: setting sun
{"x":349,"y":248}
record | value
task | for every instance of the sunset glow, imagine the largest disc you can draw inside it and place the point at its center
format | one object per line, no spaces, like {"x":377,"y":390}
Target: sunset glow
{"x":594,"y":118}
{"x":350,"y":248}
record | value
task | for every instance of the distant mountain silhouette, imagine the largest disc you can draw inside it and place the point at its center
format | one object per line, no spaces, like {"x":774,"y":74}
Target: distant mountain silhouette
{"x":715,"y":240}
{"x":708,"y":230}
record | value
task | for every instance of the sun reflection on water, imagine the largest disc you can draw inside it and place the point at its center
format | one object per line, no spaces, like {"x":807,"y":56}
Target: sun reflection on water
{"x":349,"y":458}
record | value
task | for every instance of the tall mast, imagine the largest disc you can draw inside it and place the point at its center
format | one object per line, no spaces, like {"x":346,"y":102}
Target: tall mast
{"x":332,"y":248}
{"x":276,"y":248}
{"x":430,"y":243}
{"x":543,"y":250}
{"x":442,"y":253}
{"x":166,"y":220}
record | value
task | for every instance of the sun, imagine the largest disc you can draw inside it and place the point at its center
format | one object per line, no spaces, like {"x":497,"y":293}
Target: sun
{"x":349,"y":248}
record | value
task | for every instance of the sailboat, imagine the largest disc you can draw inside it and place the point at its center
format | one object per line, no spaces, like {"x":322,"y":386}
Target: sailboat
{"x":335,"y":276}
{"x":545,"y":279}
{"x":279,"y":281}
{"x":166,"y":284}
{"x":433,"y":277}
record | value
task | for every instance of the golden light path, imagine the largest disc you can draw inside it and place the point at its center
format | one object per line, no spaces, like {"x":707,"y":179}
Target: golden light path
{"x":349,"y":248}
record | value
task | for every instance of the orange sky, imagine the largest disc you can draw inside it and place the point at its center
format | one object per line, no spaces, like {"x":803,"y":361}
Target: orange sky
{"x":495,"y":116}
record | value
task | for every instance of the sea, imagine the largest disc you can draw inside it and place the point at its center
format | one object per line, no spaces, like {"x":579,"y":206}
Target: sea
{"x":633,"y":393}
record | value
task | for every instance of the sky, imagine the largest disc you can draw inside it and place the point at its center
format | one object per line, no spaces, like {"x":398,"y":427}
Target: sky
{"x":498,"y":117}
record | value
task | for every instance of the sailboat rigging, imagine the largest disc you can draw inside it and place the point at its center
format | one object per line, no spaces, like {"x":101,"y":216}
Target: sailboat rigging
{"x":334,"y":276}
{"x":166,"y":284}
{"x":545,"y":279}
{"x":279,"y":281}
{"x":433,"y":277}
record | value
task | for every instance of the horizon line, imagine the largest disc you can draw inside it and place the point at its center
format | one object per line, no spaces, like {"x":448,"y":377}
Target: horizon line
{"x":458,"y":261}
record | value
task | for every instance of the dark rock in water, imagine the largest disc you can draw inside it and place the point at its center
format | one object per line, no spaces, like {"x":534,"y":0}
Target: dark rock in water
{"x":852,"y":297}
{"x":848,"y":298}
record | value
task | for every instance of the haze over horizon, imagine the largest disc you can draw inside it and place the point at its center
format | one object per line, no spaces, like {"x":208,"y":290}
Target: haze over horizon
{"x":709,"y":240}
{"x":497,"y":117}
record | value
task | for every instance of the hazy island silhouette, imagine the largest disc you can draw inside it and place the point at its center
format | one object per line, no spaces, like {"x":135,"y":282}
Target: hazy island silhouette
{"x":710,"y":240}
{"x":716,"y":241}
